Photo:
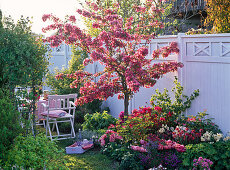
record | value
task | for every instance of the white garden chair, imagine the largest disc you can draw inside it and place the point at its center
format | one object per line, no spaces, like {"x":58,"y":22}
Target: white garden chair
{"x":60,"y":109}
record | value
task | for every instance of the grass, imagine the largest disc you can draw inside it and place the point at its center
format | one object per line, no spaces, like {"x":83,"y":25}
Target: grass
{"x":92,"y":159}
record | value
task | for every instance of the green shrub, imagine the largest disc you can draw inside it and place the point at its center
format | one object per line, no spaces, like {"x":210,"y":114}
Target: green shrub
{"x":9,"y":124}
{"x":181,"y":102}
{"x":128,"y":158}
{"x":98,"y":121}
{"x":35,"y":152}
{"x":218,"y":153}
{"x":93,"y":107}
{"x":130,"y":161}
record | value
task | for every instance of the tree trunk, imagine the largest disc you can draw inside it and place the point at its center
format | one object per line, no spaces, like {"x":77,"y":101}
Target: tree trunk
{"x":126,"y":106}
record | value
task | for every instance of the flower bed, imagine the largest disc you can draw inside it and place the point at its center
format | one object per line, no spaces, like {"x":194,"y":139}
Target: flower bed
{"x":158,"y":136}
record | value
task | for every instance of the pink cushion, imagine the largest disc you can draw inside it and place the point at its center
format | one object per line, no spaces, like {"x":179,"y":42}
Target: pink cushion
{"x":55,"y":113}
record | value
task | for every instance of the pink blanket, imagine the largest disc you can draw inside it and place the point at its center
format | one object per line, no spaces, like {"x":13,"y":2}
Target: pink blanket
{"x":54,"y":113}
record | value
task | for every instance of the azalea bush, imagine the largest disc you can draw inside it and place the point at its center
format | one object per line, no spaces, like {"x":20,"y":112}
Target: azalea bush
{"x":141,"y":123}
{"x":200,"y":121}
{"x":114,"y":147}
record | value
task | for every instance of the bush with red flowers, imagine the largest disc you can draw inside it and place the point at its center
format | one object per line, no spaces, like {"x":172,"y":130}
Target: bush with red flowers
{"x":141,"y":123}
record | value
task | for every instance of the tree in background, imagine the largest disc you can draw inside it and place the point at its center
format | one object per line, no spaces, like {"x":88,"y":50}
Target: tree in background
{"x":22,"y":55}
{"x":121,"y":46}
{"x":218,"y":16}
{"x":22,"y":58}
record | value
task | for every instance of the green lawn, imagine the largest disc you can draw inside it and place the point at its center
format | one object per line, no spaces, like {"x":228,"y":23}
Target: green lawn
{"x":91,"y":159}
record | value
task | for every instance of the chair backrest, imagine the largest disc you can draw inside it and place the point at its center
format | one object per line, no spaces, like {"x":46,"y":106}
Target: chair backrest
{"x":61,"y":101}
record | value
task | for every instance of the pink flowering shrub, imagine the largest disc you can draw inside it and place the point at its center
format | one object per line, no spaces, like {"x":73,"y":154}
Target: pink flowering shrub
{"x":121,"y":46}
{"x":185,"y":135}
{"x":202,"y":163}
{"x":158,"y":151}
{"x":109,"y":136}
{"x":163,"y":144}
{"x":138,"y":148}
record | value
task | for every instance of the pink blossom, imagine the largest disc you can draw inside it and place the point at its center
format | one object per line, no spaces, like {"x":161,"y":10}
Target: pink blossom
{"x":79,"y":11}
{"x":72,"y":18}
{"x":111,"y":126}
{"x":95,"y":25}
{"x":120,"y":96}
{"x":180,"y":148}
{"x":143,"y":142}
{"x":162,"y":119}
{"x":157,"y":108}
{"x":138,"y":148}
{"x":86,"y":61}
{"x":119,"y":137}
{"x":45,"y":17}
{"x":112,"y":137}
{"x":110,"y":131}
{"x":160,"y":147}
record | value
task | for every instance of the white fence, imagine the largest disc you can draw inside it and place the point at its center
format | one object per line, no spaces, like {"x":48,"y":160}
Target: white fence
{"x":206,"y":60}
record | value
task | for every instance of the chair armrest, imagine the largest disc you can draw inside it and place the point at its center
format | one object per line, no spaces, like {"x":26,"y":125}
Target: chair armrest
{"x":21,"y":108}
{"x":44,"y":105}
{"x":72,"y":104}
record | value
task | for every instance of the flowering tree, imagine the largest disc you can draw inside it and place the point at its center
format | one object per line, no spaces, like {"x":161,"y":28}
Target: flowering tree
{"x":121,"y":46}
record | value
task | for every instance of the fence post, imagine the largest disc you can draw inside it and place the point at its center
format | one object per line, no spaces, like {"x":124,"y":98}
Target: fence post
{"x":180,"y":58}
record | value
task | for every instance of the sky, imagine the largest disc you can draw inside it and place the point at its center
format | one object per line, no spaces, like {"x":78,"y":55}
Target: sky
{"x":36,"y":8}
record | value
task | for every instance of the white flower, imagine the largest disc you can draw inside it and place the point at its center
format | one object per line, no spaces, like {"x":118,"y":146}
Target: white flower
{"x":227,"y":138}
{"x":202,"y":138}
{"x":206,"y":136}
{"x":172,"y":128}
{"x":165,"y":126}
{"x":161,"y":130}
{"x":217,"y":136}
